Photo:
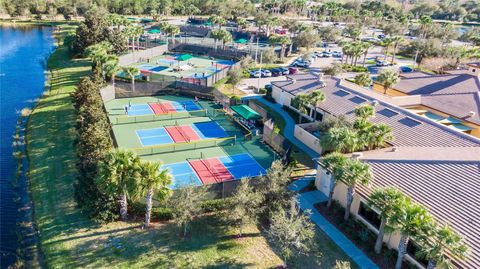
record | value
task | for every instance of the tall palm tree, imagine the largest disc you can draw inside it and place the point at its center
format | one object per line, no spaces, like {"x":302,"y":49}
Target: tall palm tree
{"x":132,"y":71}
{"x":411,"y":220}
{"x":282,"y":40}
{"x":118,"y":175}
{"x":387,"y":201}
{"x":340,"y":139}
{"x":388,"y":78}
{"x":378,"y":135}
{"x":387,"y":42}
{"x":396,"y":41}
{"x":365,"y":112}
{"x":333,"y":163}
{"x":440,"y":245}
{"x":315,"y":98}
{"x":300,"y":102}
{"x":353,"y":173}
{"x":111,"y":68}
{"x":366,"y":47}
{"x":153,"y":178}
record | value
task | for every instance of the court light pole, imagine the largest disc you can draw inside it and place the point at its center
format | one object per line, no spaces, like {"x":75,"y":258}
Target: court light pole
{"x":260,"y":71}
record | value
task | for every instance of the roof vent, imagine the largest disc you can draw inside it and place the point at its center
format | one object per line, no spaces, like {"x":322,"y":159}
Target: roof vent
{"x":294,"y":81}
{"x":374,"y":102}
{"x":471,"y":114}
{"x":394,"y":149}
{"x":357,"y":155}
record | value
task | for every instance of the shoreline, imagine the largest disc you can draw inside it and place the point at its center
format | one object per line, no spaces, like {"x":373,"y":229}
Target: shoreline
{"x":29,"y":251}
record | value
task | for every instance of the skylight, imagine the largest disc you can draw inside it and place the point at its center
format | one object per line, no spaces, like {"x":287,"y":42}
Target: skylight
{"x":409,"y":122}
{"x":341,"y":93}
{"x":387,"y":113}
{"x":357,"y":100}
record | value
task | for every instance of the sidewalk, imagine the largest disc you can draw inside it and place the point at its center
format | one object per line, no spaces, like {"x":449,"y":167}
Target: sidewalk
{"x":306,"y":201}
{"x":289,"y":127}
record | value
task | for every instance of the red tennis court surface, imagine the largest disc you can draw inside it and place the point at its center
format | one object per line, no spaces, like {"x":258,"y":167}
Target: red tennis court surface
{"x":162,"y":108}
{"x":182,"y":133}
{"x":211,"y":171}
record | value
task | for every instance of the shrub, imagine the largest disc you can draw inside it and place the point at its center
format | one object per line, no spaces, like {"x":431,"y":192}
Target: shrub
{"x":234,"y":100}
{"x":216,"y":205}
{"x":354,"y":68}
{"x":334,"y":70}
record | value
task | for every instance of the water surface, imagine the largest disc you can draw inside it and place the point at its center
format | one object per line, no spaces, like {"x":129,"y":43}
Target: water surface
{"x":23,"y":54}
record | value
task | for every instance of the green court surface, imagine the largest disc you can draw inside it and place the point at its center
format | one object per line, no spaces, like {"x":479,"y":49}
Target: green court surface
{"x":181,"y":66}
{"x":237,"y":141}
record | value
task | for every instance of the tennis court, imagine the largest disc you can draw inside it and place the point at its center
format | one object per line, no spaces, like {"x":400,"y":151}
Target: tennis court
{"x":214,"y":170}
{"x":198,"y":148}
{"x":181,"y":133}
{"x":182,"y":66}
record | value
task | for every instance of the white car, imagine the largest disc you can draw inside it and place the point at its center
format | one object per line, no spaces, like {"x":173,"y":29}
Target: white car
{"x":382,"y":63}
{"x":266,"y":73}
{"x":255,"y":74}
{"x":337,"y":54}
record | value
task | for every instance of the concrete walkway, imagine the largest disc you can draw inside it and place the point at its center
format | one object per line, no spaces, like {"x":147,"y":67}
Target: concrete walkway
{"x":289,"y":126}
{"x":306,"y":201}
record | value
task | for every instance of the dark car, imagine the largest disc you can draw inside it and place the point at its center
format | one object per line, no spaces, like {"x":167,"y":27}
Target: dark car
{"x":284,"y":70}
{"x":276,"y":72}
{"x":292,"y":70}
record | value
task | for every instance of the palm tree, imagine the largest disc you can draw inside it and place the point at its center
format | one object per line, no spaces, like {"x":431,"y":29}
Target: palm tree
{"x":378,"y":135}
{"x":242,"y":23}
{"x":396,"y":40}
{"x":340,"y":139}
{"x":300,"y":102}
{"x":132,"y":71}
{"x":153,"y":178}
{"x":440,"y":245}
{"x":366,"y":47}
{"x":282,"y":40}
{"x":315,"y":98}
{"x":221,"y":34}
{"x":387,"y":42}
{"x":386,"y":201}
{"x":333,"y":163}
{"x":363,"y":79}
{"x":388,"y":78}
{"x":411,"y":220}
{"x":118,"y":175}
{"x":353,"y":173}
{"x":365,"y":112}
{"x":111,"y":69}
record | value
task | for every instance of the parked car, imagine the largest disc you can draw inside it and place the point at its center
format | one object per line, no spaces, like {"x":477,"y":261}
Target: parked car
{"x":301,"y":64}
{"x":284,"y":70}
{"x":337,"y":54}
{"x":255,"y":74}
{"x":276,"y":72}
{"x":266,"y":73}
{"x":381,"y":63}
{"x":381,"y":36}
{"x":325,"y":54}
{"x":292,"y":70}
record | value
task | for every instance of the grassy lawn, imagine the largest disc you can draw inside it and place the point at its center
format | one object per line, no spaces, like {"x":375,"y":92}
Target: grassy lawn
{"x":70,"y":240}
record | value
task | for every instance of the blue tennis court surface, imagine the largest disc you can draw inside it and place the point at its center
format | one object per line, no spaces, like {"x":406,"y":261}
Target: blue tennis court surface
{"x":166,"y":61}
{"x":208,"y":130}
{"x":146,"y":67}
{"x":183,"y":175}
{"x":140,"y":110}
{"x":158,"y":68}
{"x":242,"y":165}
{"x":151,"y":137}
{"x":188,"y":106}
{"x":225,"y":62}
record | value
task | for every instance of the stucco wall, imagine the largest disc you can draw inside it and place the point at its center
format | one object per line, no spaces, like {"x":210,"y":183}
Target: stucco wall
{"x":280,"y":96}
{"x":307,"y":138}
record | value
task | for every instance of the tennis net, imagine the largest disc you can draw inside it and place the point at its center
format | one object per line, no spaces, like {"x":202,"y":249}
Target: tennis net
{"x":182,"y":146}
{"x":125,"y":119}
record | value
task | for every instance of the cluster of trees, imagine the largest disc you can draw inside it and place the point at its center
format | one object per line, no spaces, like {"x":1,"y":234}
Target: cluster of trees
{"x":123,"y":175}
{"x":361,"y":135}
{"x":93,"y":141}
